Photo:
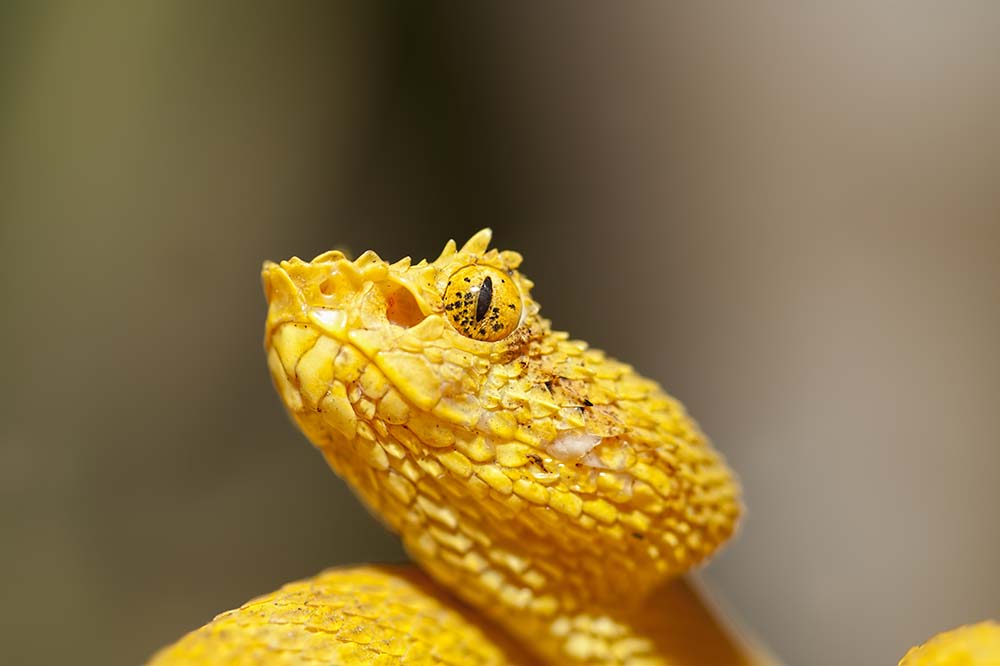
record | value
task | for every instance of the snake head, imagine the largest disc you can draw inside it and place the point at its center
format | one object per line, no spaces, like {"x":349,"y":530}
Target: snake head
{"x":425,"y":334}
{"x":515,"y":463}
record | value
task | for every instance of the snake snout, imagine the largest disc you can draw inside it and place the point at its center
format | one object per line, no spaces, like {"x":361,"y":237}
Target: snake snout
{"x":279,"y":290}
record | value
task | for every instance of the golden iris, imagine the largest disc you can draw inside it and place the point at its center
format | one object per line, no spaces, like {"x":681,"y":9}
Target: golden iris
{"x":483,"y":303}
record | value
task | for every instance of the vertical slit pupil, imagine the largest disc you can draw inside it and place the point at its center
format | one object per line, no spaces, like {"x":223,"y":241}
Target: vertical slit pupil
{"x":484,"y":300}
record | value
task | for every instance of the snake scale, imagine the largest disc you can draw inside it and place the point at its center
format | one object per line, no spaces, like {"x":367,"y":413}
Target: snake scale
{"x":552,"y":497}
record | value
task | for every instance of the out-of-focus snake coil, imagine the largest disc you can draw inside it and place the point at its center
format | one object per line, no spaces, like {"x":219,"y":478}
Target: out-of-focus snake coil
{"x":551,"y":496}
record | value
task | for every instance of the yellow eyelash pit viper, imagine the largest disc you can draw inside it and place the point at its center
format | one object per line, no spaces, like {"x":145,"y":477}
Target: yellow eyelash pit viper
{"x":552,"y":497}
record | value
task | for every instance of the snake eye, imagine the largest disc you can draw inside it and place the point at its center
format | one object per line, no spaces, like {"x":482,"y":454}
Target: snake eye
{"x":483,"y":303}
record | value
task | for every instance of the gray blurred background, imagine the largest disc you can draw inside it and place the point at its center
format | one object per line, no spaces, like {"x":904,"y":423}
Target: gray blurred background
{"x":788,"y":215}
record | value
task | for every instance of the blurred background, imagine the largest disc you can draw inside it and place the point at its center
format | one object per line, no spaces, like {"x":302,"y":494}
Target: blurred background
{"x":789,"y":215}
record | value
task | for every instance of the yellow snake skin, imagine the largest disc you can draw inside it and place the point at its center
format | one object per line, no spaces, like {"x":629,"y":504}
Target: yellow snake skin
{"x":974,"y":645}
{"x":551,"y":496}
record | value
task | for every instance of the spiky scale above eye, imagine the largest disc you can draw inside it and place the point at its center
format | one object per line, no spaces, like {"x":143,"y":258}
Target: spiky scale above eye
{"x":483,"y":303}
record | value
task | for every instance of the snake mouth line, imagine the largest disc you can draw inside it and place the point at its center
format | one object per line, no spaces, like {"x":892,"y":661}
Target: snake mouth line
{"x":318,"y":368}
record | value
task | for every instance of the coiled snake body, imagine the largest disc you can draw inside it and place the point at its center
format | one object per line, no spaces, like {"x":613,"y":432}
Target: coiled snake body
{"x":551,"y":496}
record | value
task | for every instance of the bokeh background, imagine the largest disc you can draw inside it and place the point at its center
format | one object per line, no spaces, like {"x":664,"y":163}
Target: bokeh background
{"x":789,"y":214}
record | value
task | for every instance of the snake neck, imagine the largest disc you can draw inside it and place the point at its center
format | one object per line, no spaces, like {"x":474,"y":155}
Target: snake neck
{"x":673,"y":623}
{"x":563,"y":602}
